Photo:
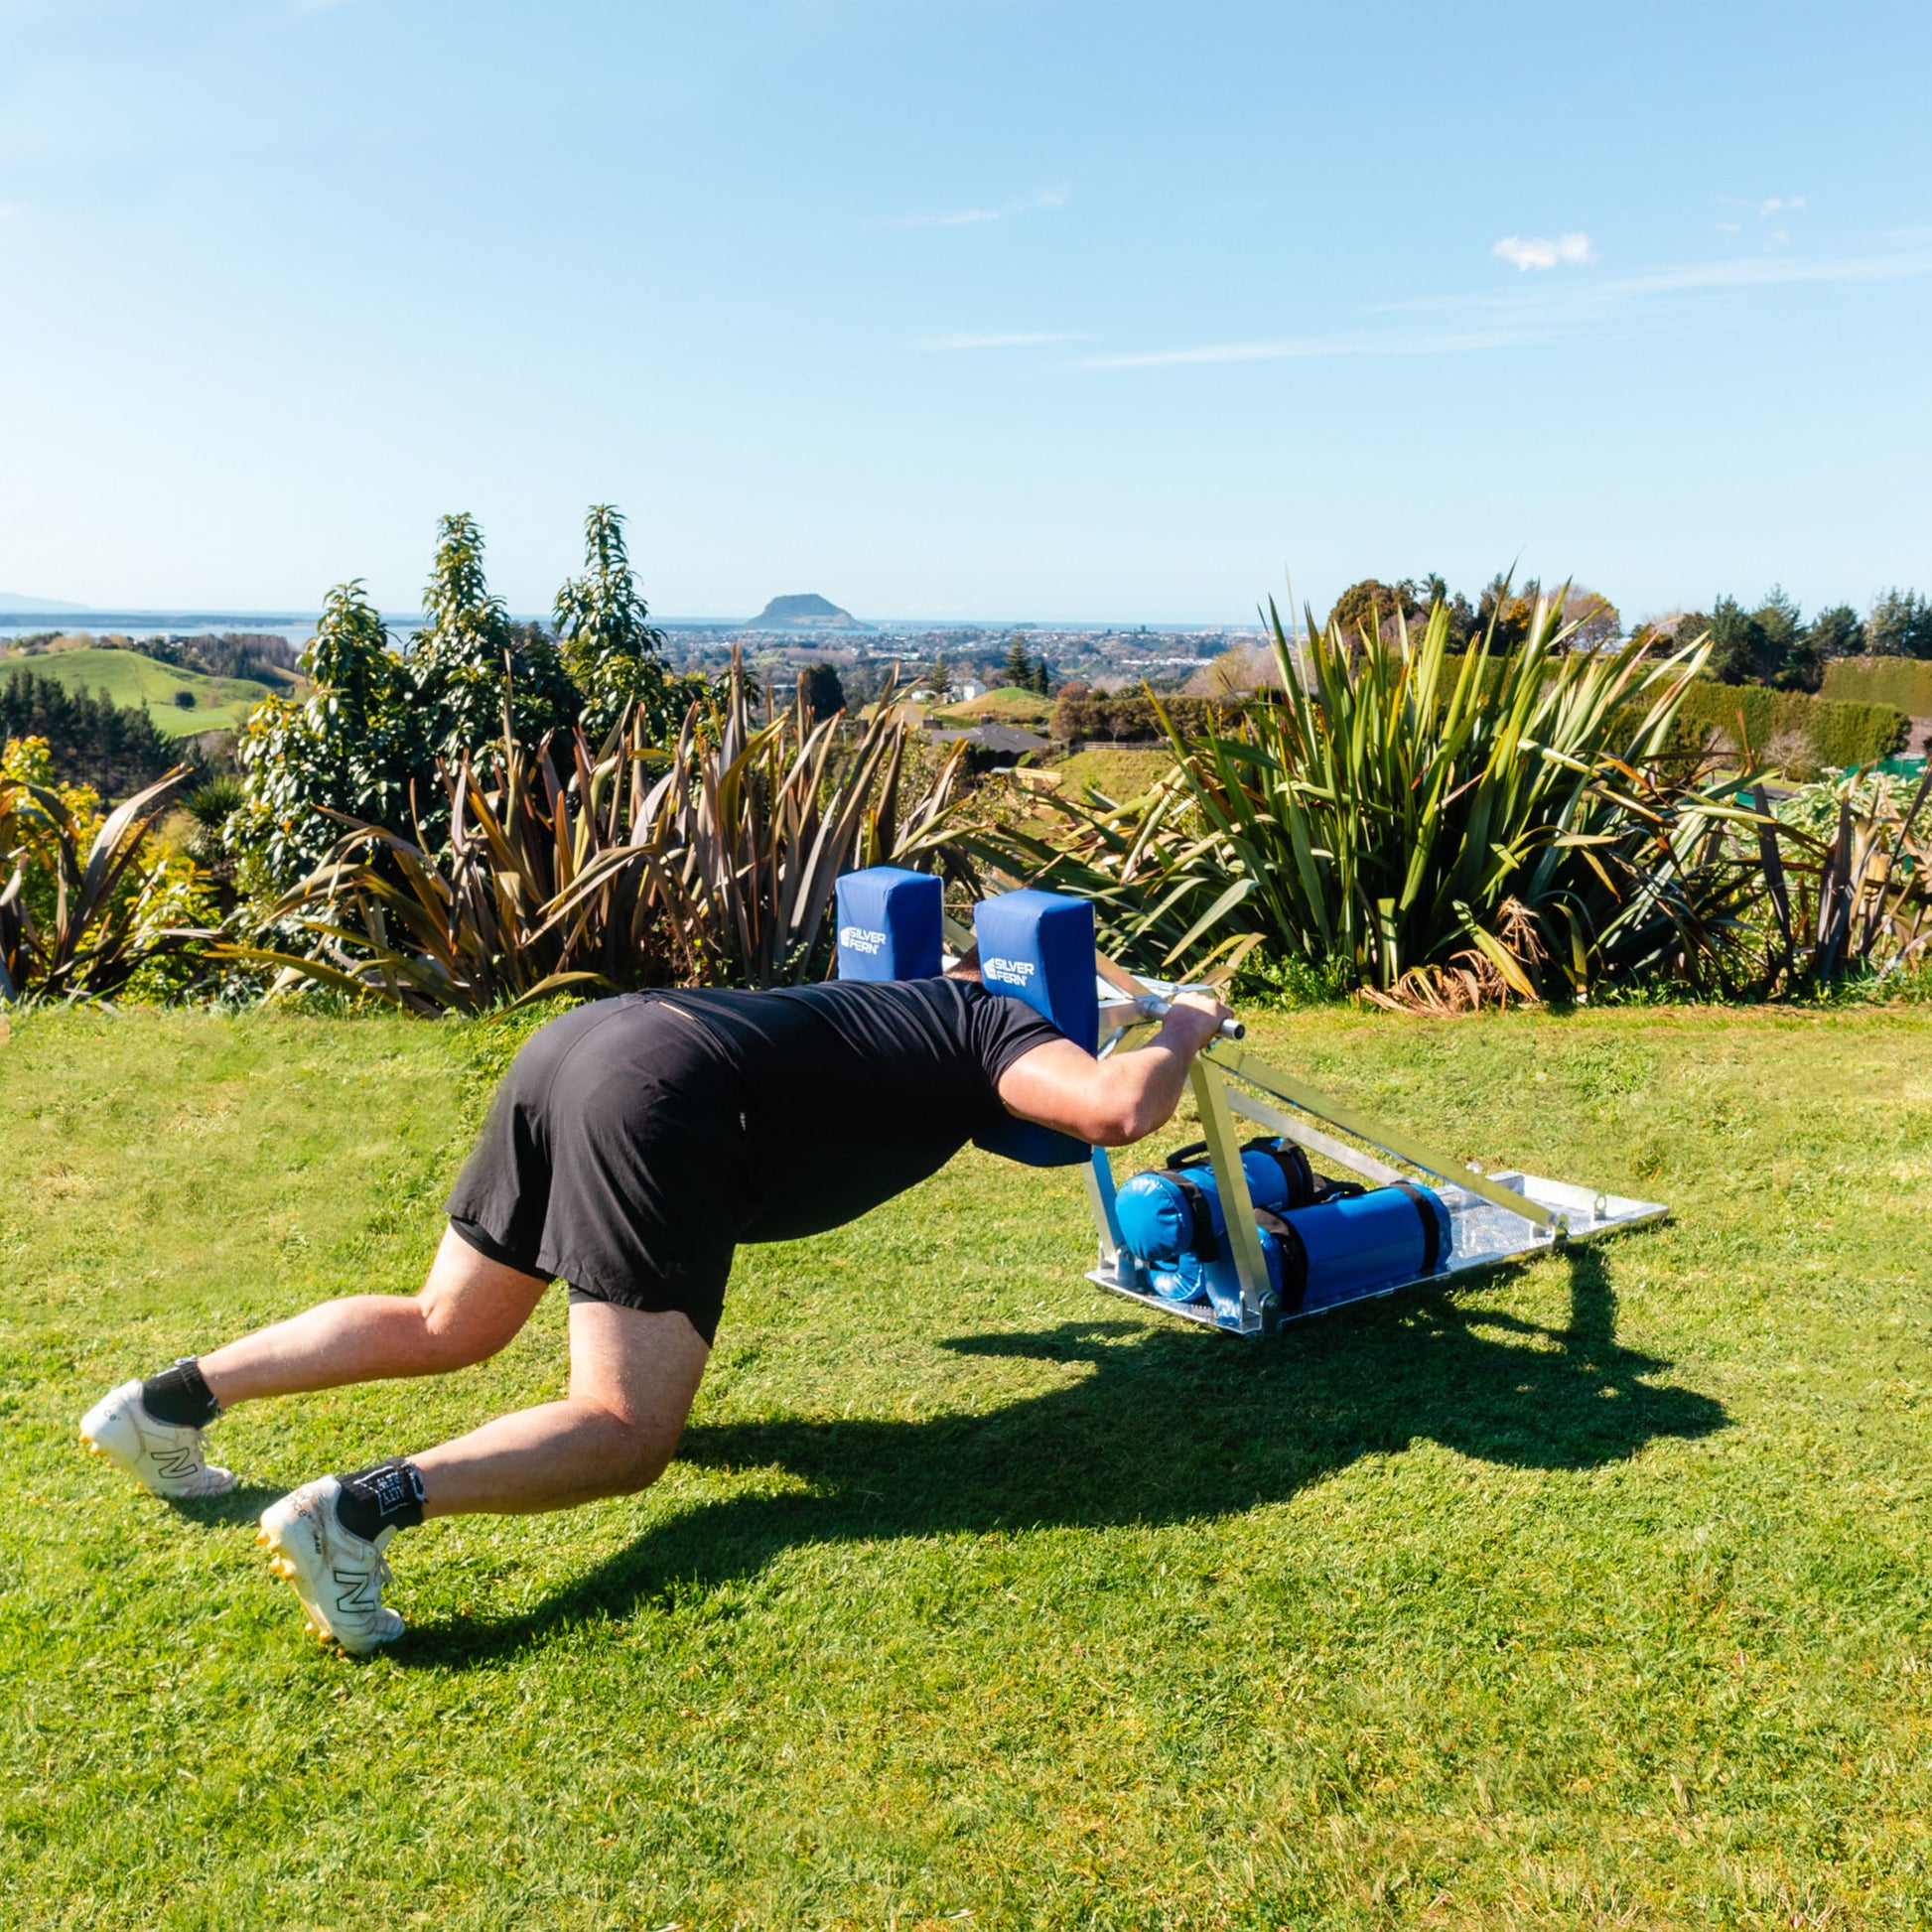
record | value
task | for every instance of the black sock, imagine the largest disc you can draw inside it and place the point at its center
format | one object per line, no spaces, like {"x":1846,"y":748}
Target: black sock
{"x":180,"y":1395}
{"x":389,"y":1495}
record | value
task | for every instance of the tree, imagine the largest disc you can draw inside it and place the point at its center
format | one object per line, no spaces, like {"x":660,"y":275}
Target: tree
{"x":824,"y":694}
{"x":352,"y":746}
{"x":1596,"y":621}
{"x":1364,"y":608}
{"x":1742,"y":648}
{"x":1835,"y":632}
{"x":940,"y":678}
{"x":90,"y":741}
{"x":1783,"y":626}
{"x":1510,"y":612}
{"x":1018,"y":670}
{"x":458,"y":658}
{"x":611,"y":650}
{"x":1900,"y":625}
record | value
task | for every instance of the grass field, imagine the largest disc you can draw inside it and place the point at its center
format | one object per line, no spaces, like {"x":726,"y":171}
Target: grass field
{"x":1009,"y":705}
{"x":1117,"y":774}
{"x":1595,"y":1595}
{"x":128,"y":678}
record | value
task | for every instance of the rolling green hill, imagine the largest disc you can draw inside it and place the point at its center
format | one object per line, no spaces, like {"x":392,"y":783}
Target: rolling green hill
{"x":128,"y":678}
{"x":1009,"y":705}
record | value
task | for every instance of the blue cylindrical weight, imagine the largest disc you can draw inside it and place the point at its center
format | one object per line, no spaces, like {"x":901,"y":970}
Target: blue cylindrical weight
{"x":1157,"y":1215}
{"x":1349,"y":1246}
{"x":1389,"y":1234}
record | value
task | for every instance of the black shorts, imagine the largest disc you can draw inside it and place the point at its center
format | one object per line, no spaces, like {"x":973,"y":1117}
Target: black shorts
{"x":613,"y":1157}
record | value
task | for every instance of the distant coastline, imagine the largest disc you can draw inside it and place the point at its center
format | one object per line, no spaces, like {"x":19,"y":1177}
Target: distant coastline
{"x":298,"y":625}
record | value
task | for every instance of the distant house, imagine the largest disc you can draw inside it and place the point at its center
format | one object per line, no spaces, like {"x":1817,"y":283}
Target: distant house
{"x":1004,"y":741}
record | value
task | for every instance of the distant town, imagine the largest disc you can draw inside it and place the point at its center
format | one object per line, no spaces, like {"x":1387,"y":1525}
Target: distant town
{"x":789,"y":635}
{"x":973,"y":654}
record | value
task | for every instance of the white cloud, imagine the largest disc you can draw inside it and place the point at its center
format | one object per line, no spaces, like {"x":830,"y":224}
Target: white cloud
{"x":1729,"y":228}
{"x":1541,"y":251}
{"x":1296,"y":348}
{"x":1788,"y":204}
{"x":1576,"y":312}
{"x":1015,"y":339}
{"x":964,"y":218}
{"x":1044,"y":202}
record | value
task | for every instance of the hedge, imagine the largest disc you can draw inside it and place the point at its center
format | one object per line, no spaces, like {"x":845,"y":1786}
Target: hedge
{"x":1905,"y":682}
{"x":1838,"y":733}
{"x":1110,"y":716}
{"x":1834,"y":733}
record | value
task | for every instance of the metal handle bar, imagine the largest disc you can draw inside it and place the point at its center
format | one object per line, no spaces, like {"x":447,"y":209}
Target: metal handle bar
{"x":1153,"y":1006}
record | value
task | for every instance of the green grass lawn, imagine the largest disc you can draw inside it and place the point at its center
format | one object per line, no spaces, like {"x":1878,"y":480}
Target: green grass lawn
{"x":128,"y":678}
{"x":1009,"y":705}
{"x":1117,"y":772}
{"x":1595,"y":1593}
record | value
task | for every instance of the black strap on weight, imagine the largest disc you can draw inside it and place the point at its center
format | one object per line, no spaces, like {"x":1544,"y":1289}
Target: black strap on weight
{"x":1294,"y":1258}
{"x":1432,"y":1229}
{"x":1207,"y":1243}
{"x":1303,"y":1190}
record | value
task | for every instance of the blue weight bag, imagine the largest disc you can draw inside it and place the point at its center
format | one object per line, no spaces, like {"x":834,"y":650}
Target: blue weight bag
{"x":1323,"y":1241}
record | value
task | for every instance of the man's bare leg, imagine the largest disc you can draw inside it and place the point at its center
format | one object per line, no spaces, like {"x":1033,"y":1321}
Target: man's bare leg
{"x":470,"y":1308}
{"x":632,"y":1379}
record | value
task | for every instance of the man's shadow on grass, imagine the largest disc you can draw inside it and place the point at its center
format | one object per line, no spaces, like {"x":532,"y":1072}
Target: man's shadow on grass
{"x":1172,"y":1424}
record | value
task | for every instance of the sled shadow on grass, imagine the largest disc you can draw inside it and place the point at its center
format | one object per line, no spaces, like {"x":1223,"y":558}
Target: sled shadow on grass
{"x":1172,"y":1424}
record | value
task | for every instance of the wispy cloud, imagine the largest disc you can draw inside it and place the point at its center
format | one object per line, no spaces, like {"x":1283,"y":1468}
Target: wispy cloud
{"x":1545,"y":251}
{"x":1296,"y":348}
{"x":1787,"y":204}
{"x":1577,"y":311}
{"x":1011,"y":339}
{"x":1041,"y":202}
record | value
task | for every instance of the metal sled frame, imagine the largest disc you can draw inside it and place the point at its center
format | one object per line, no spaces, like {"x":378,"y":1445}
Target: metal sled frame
{"x":1494,"y":1217}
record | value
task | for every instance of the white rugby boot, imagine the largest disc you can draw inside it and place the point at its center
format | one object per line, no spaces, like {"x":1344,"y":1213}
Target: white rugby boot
{"x":337,"y":1573}
{"x":164,"y":1458}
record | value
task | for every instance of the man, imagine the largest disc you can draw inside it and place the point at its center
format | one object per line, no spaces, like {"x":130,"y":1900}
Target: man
{"x":631,"y":1145}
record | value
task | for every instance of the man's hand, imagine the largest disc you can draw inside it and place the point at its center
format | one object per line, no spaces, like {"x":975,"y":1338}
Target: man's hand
{"x":1194,"y":1018}
{"x":1119,"y":1100}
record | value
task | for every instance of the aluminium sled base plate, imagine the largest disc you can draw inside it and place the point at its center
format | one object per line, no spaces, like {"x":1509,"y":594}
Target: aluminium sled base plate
{"x":1483,"y":1235}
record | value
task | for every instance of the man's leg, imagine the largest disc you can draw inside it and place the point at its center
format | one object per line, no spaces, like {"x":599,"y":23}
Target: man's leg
{"x":469,"y":1309}
{"x":632,"y":1378}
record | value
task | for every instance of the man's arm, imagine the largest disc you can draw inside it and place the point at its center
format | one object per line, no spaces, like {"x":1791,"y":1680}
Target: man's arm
{"x":1121,"y":1099}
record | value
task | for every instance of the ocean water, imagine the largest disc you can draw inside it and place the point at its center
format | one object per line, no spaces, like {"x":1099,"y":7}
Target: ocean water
{"x":297,"y":626}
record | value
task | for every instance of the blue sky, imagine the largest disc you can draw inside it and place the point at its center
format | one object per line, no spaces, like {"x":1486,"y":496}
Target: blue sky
{"x":1050,"y":309}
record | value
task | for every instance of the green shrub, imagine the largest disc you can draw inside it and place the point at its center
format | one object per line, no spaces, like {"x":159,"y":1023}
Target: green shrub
{"x":1903,"y":682}
{"x":1413,"y":808}
{"x":1835,"y":734}
{"x":1103,"y":717}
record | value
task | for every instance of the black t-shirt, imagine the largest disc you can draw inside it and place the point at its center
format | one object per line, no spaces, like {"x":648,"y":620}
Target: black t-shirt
{"x":851,"y":1091}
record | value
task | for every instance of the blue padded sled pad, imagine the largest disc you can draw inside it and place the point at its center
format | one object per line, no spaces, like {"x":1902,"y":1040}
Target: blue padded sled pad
{"x":891,"y":925}
{"x":1039,"y":947}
